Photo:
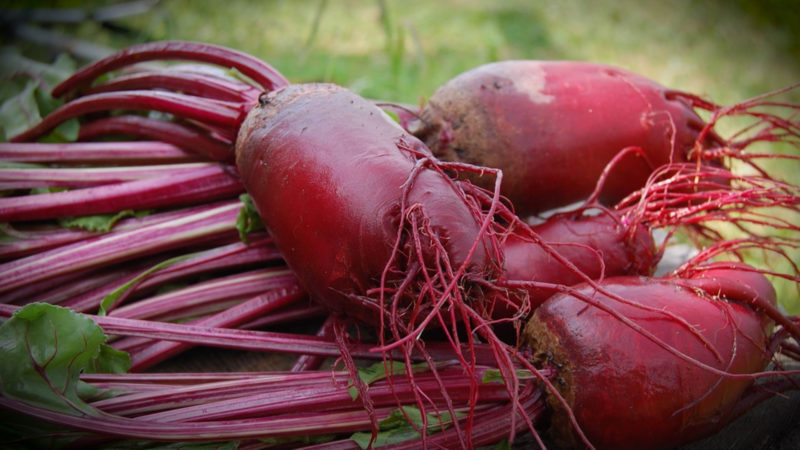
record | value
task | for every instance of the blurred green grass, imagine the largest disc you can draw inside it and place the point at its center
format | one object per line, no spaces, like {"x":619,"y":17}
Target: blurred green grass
{"x":711,"y":48}
{"x":401,"y":51}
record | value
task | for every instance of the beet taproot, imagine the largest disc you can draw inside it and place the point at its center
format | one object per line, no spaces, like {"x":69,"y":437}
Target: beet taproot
{"x":339,"y":188}
{"x":553,"y":127}
{"x":653,"y":362}
{"x":597,"y":245}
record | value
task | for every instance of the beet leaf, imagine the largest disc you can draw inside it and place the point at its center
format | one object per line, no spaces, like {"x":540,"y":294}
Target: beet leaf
{"x":248,"y":220}
{"x":100,"y":222}
{"x":51,"y":346}
{"x":402,"y":425}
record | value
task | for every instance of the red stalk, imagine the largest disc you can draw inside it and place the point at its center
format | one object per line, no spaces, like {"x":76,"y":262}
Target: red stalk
{"x":231,"y":287}
{"x":260,"y":72}
{"x":25,"y":242}
{"x":491,"y":425}
{"x":212,"y":112}
{"x":261,"y":340}
{"x":309,"y":362}
{"x":299,"y":424}
{"x":33,"y":177}
{"x":321,"y":396}
{"x":183,"y":135}
{"x":145,"y":357}
{"x":140,"y":152}
{"x":201,"y":185}
{"x":292,"y":314}
{"x":237,"y":254}
{"x":190,"y":83}
{"x":61,"y":285}
{"x":32,"y":241}
{"x":195,"y":225}
{"x":145,"y":395}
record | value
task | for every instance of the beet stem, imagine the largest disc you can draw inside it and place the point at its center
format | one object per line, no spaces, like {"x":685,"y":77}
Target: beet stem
{"x":190,"y":138}
{"x":228,"y":256}
{"x":194,"y":108}
{"x":33,"y":177}
{"x":194,"y":225}
{"x":199,"y":185}
{"x":141,"y":152}
{"x":262,"y":73}
{"x":183,"y":81}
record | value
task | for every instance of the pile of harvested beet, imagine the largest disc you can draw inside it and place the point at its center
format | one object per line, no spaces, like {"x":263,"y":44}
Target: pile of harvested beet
{"x":488,"y":268}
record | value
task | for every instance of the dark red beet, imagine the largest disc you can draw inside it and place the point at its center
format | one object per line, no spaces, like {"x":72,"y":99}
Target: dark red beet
{"x":553,"y":126}
{"x":598,"y":246}
{"x":333,"y":178}
{"x":627,"y":391}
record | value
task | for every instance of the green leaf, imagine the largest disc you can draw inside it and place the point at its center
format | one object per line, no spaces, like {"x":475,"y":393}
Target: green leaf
{"x":502,"y":445}
{"x":397,"y":427}
{"x":378,"y":371}
{"x":46,"y":102}
{"x":14,"y":65}
{"x":7,"y":235}
{"x":25,"y":94}
{"x":11,"y":88}
{"x":248,"y":219}
{"x":65,"y":132}
{"x":400,"y":418}
{"x":392,"y":114}
{"x":100,"y":222}
{"x":47,"y":190}
{"x":234,"y":73}
{"x":111,"y":360}
{"x":50,"y":347}
{"x":59,"y":70}
{"x":385,"y":437}
{"x":112,"y":297}
{"x":494,"y":376}
{"x":20,"y":165}
{"x":20,"y":111}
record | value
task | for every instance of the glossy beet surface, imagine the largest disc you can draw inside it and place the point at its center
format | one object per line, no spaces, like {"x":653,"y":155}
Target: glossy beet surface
{"x":628,"y":392}
{"x":552,"y":126}
{"x":597,"y":245}
{"x":332,"y":176}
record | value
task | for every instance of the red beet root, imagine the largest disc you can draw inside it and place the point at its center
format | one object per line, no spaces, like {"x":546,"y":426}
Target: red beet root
{"x":552,"y":127}
{"x":343,"y":177}
{"x":627,"y":391}
{"x":598,"y":246}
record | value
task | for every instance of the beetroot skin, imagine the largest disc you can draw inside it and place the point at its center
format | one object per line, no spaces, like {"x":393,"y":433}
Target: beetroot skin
{"x":598,"y":246}
{"x":326,"y":170}
{"x":553,"y":126}
{"x":628,"y":392}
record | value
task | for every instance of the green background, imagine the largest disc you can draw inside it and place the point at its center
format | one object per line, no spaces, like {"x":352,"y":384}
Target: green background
{"x":402,"y":50}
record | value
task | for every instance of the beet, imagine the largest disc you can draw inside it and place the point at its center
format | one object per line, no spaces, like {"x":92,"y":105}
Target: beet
{"x":626,"y":383}
{"x":599,"y":245}
{"x":335,"y":182}
{"x":553,"y":126}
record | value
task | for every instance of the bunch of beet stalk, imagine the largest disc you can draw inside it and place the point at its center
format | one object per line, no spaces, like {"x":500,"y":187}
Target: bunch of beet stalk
{"x":449,"y":306}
